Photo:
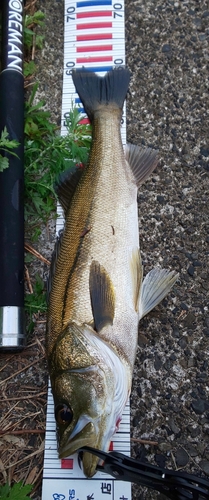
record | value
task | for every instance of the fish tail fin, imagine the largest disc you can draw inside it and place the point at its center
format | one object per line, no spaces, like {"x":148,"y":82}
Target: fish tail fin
{"x":95,"y":91}
{"x":156,"y":285}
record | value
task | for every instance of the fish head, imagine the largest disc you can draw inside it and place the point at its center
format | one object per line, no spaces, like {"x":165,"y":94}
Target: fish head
{"x":80,"y":415}
{"x":88,"y":395}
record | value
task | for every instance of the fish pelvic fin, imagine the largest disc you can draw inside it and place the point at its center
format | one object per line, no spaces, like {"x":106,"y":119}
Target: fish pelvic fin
{"x":136,"y":276}
{"x":156,"y":285}
{"x":102,"y":296}
{"x":66,"y":185}
{"x":95,"y":91}
{"x":142,"y":162}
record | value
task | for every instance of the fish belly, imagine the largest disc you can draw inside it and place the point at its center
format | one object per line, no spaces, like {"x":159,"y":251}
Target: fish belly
{"x":110,"y":239}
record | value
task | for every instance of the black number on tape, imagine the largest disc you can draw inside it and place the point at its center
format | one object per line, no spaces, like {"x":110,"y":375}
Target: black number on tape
{"x":70,"y":10}
{"x":116,"y":14}
{"x":70,"y":65}
{"x":118,"y":61}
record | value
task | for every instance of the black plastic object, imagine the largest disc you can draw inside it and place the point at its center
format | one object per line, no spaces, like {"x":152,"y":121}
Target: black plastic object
{"x":174,"y":485}
{"x":12,"y":331}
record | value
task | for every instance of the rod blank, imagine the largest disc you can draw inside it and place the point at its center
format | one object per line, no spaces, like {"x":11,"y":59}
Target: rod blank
{"x":12,"y":330}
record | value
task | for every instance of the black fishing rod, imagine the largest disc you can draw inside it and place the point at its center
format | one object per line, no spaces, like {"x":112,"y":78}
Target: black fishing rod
{"x":12,"y":331}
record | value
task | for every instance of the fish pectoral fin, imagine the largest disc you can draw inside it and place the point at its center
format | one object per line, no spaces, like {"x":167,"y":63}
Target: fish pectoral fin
{"x":102,"y":296}
{"x":156,"y":285}
{"x":136,"y":276}
{"x":66,"y":185}
{"x":142,"y":162}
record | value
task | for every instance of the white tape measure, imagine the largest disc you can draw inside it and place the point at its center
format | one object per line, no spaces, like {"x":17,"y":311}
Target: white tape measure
{"x":94,"y":38}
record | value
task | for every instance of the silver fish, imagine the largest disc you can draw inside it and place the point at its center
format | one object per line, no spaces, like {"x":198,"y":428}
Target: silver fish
{"x":97,"y":292}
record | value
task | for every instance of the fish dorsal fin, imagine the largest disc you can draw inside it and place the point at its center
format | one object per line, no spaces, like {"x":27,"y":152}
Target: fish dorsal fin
{"x":66,"y":185}
{"x":155,"y":287}
{"x":136,"y":276}
{"x":102,"y":296}
{"x":55,"y":255}
{"x":142,"y":162}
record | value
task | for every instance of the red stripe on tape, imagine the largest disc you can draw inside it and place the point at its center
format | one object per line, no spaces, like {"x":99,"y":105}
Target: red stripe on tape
{"x":85,"y":121}
{"x":93,"y":26}
{"x":80,"y":60}
{"x":111,"y":446}
{"x":101,"y":13}
{"x":94,"y":48}
{"x":98,"y":36}
{"x":67,"y":463}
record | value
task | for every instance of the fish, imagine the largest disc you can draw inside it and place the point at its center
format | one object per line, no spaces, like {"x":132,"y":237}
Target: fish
{"x":97,"y":294}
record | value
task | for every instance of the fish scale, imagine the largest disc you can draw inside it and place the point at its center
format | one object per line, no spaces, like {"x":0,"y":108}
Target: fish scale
{"x":114,"y":209}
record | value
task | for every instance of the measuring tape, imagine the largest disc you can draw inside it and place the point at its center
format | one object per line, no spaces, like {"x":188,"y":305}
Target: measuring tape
{"x":94,"y":38}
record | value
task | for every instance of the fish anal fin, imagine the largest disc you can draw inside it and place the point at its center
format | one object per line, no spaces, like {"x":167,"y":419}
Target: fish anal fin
{"x":102,"y":296}
{"x":156,"y":285}
{"x":142,"y":162}
{"x":136,"y":276}
{"x":66,"y":185}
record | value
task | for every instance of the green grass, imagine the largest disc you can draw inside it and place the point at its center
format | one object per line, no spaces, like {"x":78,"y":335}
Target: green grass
{"x":47,"y":154}
{"x":32,"y":39}
{"x":16,"y":492}
{"x":7,"y":146}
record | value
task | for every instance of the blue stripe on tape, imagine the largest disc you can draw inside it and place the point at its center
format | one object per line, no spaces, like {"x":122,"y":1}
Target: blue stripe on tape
{"x":96,"y":69}
{"x":93,"y":3}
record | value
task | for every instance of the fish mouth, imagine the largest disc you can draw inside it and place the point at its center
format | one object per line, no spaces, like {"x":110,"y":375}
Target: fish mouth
{"x":86,"y":437}
{"x":89,"y":464}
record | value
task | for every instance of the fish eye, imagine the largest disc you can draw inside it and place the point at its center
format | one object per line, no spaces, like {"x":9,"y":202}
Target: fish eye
{"x":63,"y":414}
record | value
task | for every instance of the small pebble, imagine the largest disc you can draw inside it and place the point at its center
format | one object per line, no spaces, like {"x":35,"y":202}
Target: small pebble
{"x":136,"y":420}
{"x":166,"y":48}
{"x":202,"y":37}
{"x":157,"y":362}
{"x":182,"y":342}
{"x":189,"y":320}
{"x":204,"y":464}
{"x":173,"y":426}
{"x":193,"y":430}
{"x":192,"y":450}
{"x":198,"y":406}
{"x":160,"y":460}
{"x":161,"y":199}
{"x":191,"y":362}
{"x":139,"y":391}
{"x":184,"y":306}
{"x":181,"y":457}
{"x":204,"y":151}
{"x":190,"y":270}
{"x":164,"y":447}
